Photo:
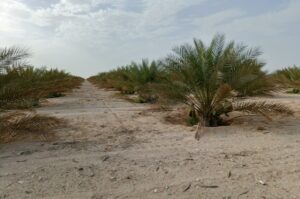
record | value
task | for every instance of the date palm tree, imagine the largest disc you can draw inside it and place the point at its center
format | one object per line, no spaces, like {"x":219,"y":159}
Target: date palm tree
{"x":288,"y":77}
{"x":210,"y":78}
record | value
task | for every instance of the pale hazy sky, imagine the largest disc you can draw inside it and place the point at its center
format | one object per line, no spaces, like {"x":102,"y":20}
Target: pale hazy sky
{"x":88,"y":36}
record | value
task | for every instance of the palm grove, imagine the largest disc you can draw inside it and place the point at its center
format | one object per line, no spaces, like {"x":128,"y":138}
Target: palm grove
{"x":212,"y":80}
{"x":22,"y":87}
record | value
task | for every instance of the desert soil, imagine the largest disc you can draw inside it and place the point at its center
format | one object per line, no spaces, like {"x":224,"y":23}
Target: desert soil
{"x":112,"y":148}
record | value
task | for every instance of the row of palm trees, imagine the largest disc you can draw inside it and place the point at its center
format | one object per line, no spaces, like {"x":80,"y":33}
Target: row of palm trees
{"x":209,"y":78}
{"x":21,"y":85}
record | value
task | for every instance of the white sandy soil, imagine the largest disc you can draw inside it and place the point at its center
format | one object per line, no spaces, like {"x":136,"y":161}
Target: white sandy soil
{"x":116,"y":149}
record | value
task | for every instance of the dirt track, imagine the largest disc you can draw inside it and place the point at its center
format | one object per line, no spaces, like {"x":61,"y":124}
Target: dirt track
{"x":116,"y":149}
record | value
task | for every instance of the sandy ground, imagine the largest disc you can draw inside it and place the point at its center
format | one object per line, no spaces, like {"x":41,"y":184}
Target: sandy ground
{"x":116,"y":149}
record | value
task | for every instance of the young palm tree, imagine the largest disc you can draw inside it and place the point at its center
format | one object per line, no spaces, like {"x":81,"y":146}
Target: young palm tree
{"x":143,"y":74}
{"x":288,"y":77}
{"x":208,"y":78}
{"x":136,"y":78}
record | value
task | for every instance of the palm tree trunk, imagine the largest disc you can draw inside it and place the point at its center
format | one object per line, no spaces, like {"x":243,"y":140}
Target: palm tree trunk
{"x":211,"y":121}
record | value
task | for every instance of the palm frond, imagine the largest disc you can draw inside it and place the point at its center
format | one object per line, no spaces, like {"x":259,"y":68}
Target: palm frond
{"x":19,"y":123}
{"x":262,"y":107}
{"x":223,"y":92}
{"x":12,"y":56}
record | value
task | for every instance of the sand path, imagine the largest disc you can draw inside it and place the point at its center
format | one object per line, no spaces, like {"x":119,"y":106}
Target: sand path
{"x":116,"y":149}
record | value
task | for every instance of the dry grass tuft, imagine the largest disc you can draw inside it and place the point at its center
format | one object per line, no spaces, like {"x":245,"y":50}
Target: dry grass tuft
{"x":20,"y":125}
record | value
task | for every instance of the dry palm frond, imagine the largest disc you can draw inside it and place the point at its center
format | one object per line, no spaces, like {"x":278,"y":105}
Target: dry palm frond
{"x":30,"y":121}
{"x":19,"y":123}
{"x":262,"y":108}
{"x":193,"y":102}
{"x":199,"y":131}
{"x":223,"y":92}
